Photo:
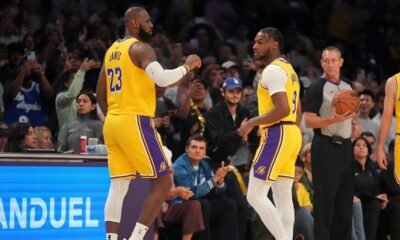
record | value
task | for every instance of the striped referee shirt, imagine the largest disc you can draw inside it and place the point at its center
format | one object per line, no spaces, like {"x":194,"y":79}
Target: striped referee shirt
{"x":319,"y":100}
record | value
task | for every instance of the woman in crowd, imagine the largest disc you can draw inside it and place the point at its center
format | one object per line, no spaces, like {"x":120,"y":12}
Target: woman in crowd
{"x":367,"y":188}
{"x":21,"y":137}
{"x":44,"y":138}
{"x":87,"y":124}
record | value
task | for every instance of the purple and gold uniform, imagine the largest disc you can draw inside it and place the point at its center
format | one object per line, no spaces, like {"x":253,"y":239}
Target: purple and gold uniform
{"x":133,"y":144}
{"x":280,"y":141}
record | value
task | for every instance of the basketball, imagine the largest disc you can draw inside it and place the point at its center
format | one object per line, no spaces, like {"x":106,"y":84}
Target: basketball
{"x":346,"y":100}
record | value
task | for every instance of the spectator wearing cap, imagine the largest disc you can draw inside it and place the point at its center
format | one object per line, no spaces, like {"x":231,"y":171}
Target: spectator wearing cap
{"x":225,"y":144}
{"x":3,"y":137}
{"x":230,"y":69}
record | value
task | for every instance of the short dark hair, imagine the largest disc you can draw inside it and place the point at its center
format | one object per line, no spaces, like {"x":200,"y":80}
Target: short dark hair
{"x":92,"y":97}
{"x":366,"y":143}
{"x":367,"y":134}
{"x":276,"y":35}
{"x":196,"y":137}
{"x":17,"y":133}
{"x":367,"y":92}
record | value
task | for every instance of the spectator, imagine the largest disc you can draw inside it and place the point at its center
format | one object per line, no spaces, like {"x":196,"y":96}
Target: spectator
{"x":367,"y":103}
{"x":306,"y":179}
{"x":179,"y":209}
{"x":380,"y":97}
{"x":212,"y":75}
{"x":248,"y":91}
{"x":21,"y":137}
{"x":227,"y":52}
{"x":87,"y":124}
{"x":192,"y":171}
{"x":225,"y":144}
{"x":192,"y":112}
{"x":65,"y":100}
{"x":23,"y":96}
{"x":222,"y":121}
{"x":44,"y":137}
{"x":367,"y":187}
{"x":231,"y":69}
{"x":371,"y":138}
{"x":303,"y":223}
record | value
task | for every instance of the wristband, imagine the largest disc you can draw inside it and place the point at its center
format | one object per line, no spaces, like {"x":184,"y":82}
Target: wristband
{"x":186,"y":67}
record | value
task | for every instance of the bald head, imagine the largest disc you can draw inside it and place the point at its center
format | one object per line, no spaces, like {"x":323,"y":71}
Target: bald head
{"x":132,"y":13}
{"x":138,"y":23}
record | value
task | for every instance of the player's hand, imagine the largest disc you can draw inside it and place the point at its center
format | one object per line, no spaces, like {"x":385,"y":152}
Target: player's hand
{"x":193,"y":61}
{"x":244,"y":129}
{"x":381,"y":158}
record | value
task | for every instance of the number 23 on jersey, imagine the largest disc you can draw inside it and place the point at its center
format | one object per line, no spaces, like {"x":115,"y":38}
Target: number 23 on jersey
{"x":115,"y":75}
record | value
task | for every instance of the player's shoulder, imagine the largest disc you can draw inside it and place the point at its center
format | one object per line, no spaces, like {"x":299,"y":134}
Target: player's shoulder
{"x":273,"y":69}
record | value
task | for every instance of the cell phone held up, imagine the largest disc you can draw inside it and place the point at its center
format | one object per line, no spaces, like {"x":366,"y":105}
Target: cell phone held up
{"x":31,"y":56}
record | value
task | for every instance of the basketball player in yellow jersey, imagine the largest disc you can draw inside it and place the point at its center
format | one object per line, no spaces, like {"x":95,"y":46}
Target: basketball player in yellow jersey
{"x":126,"y":93}
{"x":392,"y":102}
{"x":279,"y":116}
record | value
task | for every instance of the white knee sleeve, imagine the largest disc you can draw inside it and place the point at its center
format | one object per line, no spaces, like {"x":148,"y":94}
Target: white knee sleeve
{"x":116,"y":195}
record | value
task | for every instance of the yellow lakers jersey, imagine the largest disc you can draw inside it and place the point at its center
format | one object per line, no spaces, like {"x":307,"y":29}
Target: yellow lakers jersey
{"x":265,"y":103}
{"x":129,"y":89}
{"x":397,"y":102}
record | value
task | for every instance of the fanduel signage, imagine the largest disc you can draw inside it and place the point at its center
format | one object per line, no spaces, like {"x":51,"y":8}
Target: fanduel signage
{"x":52,"y":202}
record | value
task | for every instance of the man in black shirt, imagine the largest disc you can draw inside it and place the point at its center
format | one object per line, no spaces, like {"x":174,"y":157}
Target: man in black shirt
{"x":331,"y":152}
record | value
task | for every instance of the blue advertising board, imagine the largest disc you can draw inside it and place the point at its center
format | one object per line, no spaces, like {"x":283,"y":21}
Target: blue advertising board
{"x":53,"y":202}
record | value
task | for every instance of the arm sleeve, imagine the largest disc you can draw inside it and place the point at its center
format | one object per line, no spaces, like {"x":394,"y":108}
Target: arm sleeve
{"x":163,"y":77}
{"x":274,"y":79}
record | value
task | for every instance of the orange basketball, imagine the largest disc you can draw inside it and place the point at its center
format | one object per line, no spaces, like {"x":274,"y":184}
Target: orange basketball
{"x":346,"y":100}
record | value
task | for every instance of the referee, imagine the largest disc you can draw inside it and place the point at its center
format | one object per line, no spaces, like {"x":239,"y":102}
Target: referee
{"x":331,"y":152}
